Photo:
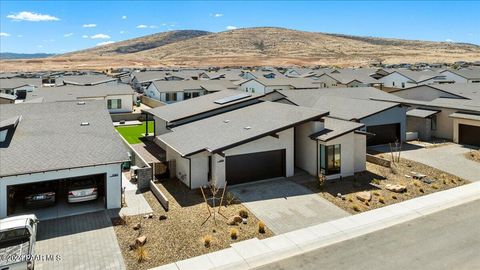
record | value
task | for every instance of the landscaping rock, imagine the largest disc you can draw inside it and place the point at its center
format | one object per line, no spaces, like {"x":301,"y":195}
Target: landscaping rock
{"x":364,"y":196}
{"x":140,"y":241}
{"x":132,"y":246}
{"x":137,"y":226}
{"x":162,"y":217}
{"x":396,"y":188}
{"x":148,"y":216}
{"x":234,"y":220}
{"x":339,"y":195}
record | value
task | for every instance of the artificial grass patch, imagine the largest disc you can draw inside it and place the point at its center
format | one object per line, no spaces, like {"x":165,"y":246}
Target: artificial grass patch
{"x":132,"y":134}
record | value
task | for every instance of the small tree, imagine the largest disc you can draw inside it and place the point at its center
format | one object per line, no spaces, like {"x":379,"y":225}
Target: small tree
{"x":321,"y":180}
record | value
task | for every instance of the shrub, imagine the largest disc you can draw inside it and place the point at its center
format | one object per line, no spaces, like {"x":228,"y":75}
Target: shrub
{"x":356,"y":208}
{"x":434,"y":186}
{"x":321,"y":180}
{"x":394,"y":197}
{"x":376,"y":193}
{"x":394,"y":170}
{"x":381,"y":200}
{"x":367,"y":204}
{"x":350,"y":199}
{"x":243,"y":213}
{"x":453,"y":181}
{"x":141,"y":253}
{"x":444,"y":181}
{"x":415,"y":183}
{"x":261,"y":227}
{"x":421,"y":190}
{"x":234,"y":233}
{"x":229,"y":198}
{"x":207,"y":240}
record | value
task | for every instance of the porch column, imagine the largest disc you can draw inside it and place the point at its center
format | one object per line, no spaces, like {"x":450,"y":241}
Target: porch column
{"x":146,"y":126}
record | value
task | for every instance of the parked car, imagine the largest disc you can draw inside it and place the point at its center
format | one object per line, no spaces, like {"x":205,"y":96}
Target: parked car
{"x":17,"y":242}
{"x":41,"y":195}
{"x":82,"y":190}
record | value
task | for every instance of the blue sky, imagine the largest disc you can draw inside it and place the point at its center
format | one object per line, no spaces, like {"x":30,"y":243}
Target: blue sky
{"x":62,"y":26}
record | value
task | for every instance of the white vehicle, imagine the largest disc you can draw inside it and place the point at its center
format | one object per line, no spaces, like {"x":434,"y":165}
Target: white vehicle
{"x":17,"y":242}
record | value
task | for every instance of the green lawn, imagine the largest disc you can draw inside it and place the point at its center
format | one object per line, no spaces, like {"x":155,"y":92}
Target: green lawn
{"x":133,"y":133}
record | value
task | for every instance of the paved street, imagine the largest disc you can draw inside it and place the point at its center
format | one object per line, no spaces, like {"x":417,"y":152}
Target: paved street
{"x":448,"y":158}
{"x":449,"y":239}
{"x":286,"y":206}
{"x":83,"y":242}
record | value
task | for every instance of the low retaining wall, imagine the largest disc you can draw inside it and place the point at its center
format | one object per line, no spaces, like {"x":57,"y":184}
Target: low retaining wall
{"x":144,"y":171}
{"x":150,"y":102}
{"x":116,"y":117}
{"x":379,"y":161}
{"x":160,"y":196}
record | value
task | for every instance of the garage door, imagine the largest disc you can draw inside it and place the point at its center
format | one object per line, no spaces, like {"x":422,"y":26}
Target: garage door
{"x":383,"y":134}
{"x":255,"y":166}
{"x":469,"y":135}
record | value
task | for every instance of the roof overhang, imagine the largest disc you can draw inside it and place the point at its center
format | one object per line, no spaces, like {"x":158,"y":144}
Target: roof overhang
{"x":422,"y":113}
{"x":467,"y":116}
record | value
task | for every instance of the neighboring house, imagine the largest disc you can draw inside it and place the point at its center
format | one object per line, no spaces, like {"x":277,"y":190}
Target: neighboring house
{"x":140,"y":80}
{"x":265,"y":86}
{"x":7,"y":98}
{"x":59,"y":144}
{"x":350,"y":78}
{"x":174,"y":91}
{"x":449,"y":111}
{"x":85,"y":80}
{"x":386,"y":120}
{"x":118,"y":98}
{"x":16,"y":86}
{"x":462,"y":76}
{"x":215,"y":140}
{"x":409,"y":78}
{"x":261,"y":74}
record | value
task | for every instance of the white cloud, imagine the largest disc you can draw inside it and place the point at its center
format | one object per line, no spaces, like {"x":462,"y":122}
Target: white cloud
{"x":100,"y":36}
{"x":124,"y":17}
{"x":3,"y":34}
{"x":449,"y":40}
{"x":89,"y":25}
{"x":84,"y":36}
{"x":68,"y":35}
{"x":105,"y":43}
{"x":32,"y":17}
{"x":217,"y":15}
{"x":142,"y":26}
{"x":231,"y":27}
{"x":122,"y":32}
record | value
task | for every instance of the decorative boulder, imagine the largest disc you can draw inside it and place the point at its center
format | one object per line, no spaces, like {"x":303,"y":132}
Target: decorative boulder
{"x":364,"y":196}
{"x":137,"y":226}
{"x":396,"y":188}
{"x":140,"y":241}
{"x":234,"y":220}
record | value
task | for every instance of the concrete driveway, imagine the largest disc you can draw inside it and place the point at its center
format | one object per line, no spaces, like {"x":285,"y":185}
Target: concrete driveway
{"x":284,"y":205}
{"x":448,"y":158}
{"x":79,"y":242}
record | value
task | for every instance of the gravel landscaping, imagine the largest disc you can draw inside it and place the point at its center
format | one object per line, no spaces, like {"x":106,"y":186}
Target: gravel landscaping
{"x":368,"y":190}
{"x":181,"y":235}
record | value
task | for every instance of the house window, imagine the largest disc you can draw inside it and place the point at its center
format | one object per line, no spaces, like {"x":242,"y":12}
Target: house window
{"x":393,"y":83}
{"x":171,"y":97}
{"x":196,"y":94}
{"x":114,"y":104}
{"x":187,"y":95}
{"x":403,"y":85}
{"x":330,"y":159}
{"x":433,"y":125}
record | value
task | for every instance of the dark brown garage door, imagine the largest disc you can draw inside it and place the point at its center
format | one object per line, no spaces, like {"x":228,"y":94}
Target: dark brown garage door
{"x":469,"y":135}
{"x":255,"y":166}
{"x":383,"y":134}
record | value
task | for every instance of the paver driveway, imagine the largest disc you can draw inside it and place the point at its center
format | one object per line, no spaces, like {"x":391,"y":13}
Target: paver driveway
{"x":449,"y":158}
{"x":284,"y":205}
{"x":82,"y":242}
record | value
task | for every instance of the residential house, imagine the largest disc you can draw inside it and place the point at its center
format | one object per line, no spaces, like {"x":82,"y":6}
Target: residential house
{"x":409,"y":78}
{"x":7,"y":98}
{"x":462,"y":76}
{"x":59,"y":144}
{"x":16,"y":86}
{"x":85,"y":80}
{"x":264,"y":86}
{"x":174,"y":91}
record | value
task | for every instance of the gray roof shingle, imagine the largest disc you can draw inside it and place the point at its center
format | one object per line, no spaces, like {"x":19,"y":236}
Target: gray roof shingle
{"x":51,"y":138}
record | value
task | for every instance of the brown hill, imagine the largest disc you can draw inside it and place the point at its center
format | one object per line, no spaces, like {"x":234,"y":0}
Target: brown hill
{"x":258,"y":46}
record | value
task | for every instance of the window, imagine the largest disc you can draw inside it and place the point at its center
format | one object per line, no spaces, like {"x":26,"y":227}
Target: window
{"x":196,"y":94}
{"x":114,"y":104}
{"x":403,"y":85}
{"x":330,"y":159}
{"x":187,"y":95}
{"x":171,"y":97}
{"x":393,"y":83}
{"x":433,"y":124}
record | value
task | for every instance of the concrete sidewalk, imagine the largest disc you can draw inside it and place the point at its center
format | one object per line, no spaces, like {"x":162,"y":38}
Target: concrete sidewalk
{"x":254,"y":252}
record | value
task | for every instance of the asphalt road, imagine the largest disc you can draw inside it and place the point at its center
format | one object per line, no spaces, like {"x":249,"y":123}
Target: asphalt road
{"x":449,"y":239}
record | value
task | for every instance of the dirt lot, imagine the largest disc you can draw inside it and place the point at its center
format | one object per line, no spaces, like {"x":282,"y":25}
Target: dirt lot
{"x":374,"y":181}
{"x":473,"y":155}
{"x":180,"y":236}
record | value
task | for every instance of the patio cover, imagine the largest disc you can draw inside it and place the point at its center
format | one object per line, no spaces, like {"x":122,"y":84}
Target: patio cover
{"x":421,"y":113}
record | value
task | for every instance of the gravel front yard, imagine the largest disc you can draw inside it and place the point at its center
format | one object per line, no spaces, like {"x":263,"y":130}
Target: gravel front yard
{"x":181,"y":235}
{"x":374,"y":181}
